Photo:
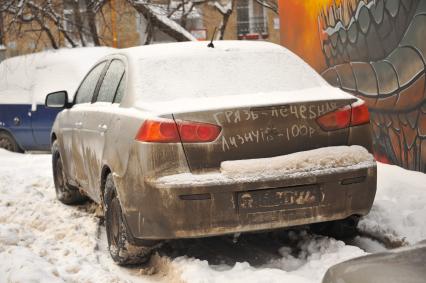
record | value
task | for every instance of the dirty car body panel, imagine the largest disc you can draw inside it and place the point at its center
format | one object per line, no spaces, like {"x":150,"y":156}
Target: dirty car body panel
{"x":250,"y":120}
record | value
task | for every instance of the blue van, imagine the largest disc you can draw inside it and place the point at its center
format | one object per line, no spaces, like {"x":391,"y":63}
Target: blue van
{"x":25,"y":123}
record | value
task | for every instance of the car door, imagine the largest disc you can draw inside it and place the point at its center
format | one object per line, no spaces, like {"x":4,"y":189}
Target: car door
{"x":77,"y":118}
{"x":16,"y":119}
{"x":42,"y":119}
{"x":99,"y":115}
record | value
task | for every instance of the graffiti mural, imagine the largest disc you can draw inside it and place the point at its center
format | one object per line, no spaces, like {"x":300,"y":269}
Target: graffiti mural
{"x":375,"y":49}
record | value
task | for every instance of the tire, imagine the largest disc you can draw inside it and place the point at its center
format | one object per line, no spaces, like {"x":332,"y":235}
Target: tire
{"x":339,"y":229}
{"x":64,"y":192}
{"x":8,"y":142}
{"x":121,"y":250}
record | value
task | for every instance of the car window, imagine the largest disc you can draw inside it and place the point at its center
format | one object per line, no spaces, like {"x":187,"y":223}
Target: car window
{"x":111,"y":81}
{"x":87,"y":88}
{"x":120,"y":90}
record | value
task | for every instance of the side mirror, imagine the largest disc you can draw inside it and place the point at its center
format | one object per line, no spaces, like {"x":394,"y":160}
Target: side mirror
{"x":57,"y":99}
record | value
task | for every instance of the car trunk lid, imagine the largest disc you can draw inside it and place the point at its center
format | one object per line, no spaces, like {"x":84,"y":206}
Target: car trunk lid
{"x":262,"y":131}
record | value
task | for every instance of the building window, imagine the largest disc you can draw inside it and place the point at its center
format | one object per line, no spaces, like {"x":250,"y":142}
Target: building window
{"x":251,"y":20}
{"x":70,"y":7}
{"x":69,"y":20}
{"x":11,"y":45}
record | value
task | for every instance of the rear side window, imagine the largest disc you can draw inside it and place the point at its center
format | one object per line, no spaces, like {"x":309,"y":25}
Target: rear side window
{"x":87,"y":88}
{"x":111,"y":82}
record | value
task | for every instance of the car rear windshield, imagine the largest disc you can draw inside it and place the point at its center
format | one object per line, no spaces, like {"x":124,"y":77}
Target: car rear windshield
{"x":222,"y":73}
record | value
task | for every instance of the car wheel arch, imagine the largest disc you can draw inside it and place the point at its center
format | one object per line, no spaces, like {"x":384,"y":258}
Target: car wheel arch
{"x":4,"y":130}
{"x":104,"y":174}
{"x":53,"y":138}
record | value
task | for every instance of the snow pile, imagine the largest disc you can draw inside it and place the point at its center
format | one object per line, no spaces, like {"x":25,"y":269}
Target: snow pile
{"x":25,"y":266}
{"x":314,"y":162}
{"x":42,"y":240}
{"x":29,"y":78}
{"x":305,"y":161}
{"x":399,"y":210}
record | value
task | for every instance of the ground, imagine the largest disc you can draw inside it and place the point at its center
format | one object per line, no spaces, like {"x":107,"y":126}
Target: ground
{"x":42,"y":240}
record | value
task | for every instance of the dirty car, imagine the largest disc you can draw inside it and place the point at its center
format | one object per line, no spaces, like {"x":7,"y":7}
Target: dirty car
{"x":183,"y":141}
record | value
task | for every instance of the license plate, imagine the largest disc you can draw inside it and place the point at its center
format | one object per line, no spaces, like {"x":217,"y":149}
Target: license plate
{"x":277,"y":199}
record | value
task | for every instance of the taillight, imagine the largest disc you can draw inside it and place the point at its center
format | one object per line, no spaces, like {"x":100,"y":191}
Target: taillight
{"x":158,"y":131}
{"x":197,"y":132}
{"x":360,"y":114}
{"x":335,"y":120}
{"x":170,"y":131}
{"x":344,"y":117}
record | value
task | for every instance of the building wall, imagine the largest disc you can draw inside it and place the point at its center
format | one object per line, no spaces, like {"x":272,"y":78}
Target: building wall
{"x":377,"y":51}
{"x":129,"y":30}
{"x":274,"y":27}
{"x":213,"y":19}
{"x":20,"y":43}
{"x":126,"y":25}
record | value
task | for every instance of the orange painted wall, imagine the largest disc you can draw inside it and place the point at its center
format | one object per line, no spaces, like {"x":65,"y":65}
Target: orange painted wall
{"x":374,"y":49}
{"x":299,"y":28}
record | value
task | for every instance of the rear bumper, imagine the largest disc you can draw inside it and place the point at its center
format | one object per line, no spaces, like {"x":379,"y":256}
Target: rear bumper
{"x":209,"y":205}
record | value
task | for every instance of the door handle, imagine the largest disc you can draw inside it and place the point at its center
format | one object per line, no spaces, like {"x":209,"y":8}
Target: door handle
{"x":78,"y":124}
{"x":103,"y":128}
{"x":16,"y":121}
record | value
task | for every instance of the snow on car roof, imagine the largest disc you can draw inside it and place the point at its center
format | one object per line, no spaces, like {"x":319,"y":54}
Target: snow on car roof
{"x":170,"y":73}
{"x":28,"y":79}
{"x":178,"y":71}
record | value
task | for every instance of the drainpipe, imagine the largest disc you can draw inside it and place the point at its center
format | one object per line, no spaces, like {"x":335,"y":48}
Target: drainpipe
{"x":114,"y":24}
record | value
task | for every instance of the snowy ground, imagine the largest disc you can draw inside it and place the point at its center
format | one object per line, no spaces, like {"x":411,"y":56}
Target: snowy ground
{"x":42,"y":240}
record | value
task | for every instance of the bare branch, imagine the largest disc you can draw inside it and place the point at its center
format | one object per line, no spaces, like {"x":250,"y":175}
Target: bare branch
{"x":161,"y":21}
{"x":270,"y":4}
{"x":226,"y":11}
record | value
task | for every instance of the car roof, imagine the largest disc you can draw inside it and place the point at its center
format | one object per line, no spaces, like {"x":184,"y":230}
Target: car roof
{"x":192,"y":48}
{"x":29,"y":78}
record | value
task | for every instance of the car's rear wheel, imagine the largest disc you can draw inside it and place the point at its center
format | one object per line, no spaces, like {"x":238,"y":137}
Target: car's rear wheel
{"x":8,"y":142}
{"x":340,"y":229}
{"x":64,"y":192}
{"x":121,"y":250}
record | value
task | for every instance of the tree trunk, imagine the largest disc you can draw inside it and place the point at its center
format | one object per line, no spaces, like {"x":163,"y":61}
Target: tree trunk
{"x":225,"y":18}
{"x":78,"y":21}
{"x":2,"y":40}
{"x":1,"y":29}
{"x":149,"y":31}
{"x":50,"y":36}
{"x":91,"y":19}
{"x":223,"y":25}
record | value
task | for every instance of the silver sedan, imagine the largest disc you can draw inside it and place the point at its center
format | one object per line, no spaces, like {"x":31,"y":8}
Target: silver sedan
{"x":183,"y":141}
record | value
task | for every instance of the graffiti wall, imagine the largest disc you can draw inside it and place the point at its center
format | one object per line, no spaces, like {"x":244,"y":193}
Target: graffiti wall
{"x":375,"y":49}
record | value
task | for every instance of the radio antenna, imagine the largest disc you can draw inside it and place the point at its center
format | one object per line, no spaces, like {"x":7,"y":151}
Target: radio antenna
{"x":211,"y":45}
